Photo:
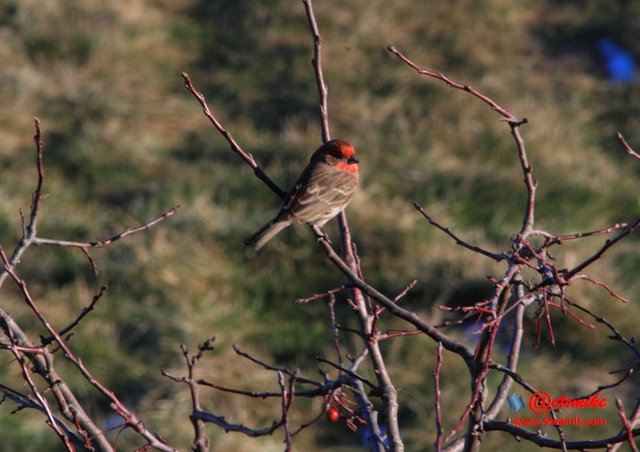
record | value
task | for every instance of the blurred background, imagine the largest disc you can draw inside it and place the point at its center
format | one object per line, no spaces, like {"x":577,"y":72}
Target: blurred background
{"x":125,"y":141}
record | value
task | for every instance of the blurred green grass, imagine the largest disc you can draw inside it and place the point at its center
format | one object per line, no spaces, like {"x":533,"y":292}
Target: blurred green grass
{"x":124,"y":141}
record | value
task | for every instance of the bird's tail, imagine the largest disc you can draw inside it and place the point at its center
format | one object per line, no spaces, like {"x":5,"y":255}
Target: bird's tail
{"x":258,"y":240}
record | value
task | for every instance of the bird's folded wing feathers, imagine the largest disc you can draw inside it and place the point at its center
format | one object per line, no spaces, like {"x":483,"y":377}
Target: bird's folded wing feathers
{"x":328,"y":185}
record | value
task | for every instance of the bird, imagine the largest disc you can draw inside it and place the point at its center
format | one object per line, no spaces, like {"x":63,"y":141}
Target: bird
{"x":322,"y":191}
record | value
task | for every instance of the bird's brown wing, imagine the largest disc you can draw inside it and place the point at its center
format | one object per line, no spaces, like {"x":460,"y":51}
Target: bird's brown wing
{"x":321,"y":193}
{"x":292,"y":197}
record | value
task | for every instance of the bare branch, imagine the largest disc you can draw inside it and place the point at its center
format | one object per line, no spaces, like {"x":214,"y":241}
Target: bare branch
{"x":605,"y":286}
{"x":201,"y":442}
{"x":37,"y":194}
{"x":235,"y":147}
{"x":436,"y":384}
{"x":559,"y":239}
{"x":513,"y":358}
{"x":334,"y":329}
{"x":617,"y":335}
{"x":453,"y":84}
{"x":628,"y":148}
{"x":527,"y":170}
{"x":448,"y":343}
{"x":288,"y":396}
{"x":365,"y":310}
{"x":26,"y":401}
{"x":30,"y":230}
{"x":318,"y":296}
{"x":42,"y":361}
{"x":42,"y":401}
{"x":627,"y":373}
{"x":241,"y":428}
{"x":629,"y":424}
{"x":83,"y":313}
{"x":495,"y":256}
{"x":390,"y":334}
{"x":131,"y":419}
{"x":598,"y":254}
{"x":514,"y":125}
{"x":350,"y":372}
{"x":323,"y":91}
{"x":108,"y":241}
{"x":273,"y":368}
{"x":543,"y":441}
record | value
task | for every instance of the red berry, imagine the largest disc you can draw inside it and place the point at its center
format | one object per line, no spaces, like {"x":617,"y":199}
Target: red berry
{"x":333,"y":414}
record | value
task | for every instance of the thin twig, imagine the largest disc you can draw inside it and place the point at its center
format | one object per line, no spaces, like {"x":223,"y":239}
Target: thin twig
{"x":248,"y":158}
{"x":37,"y":194}
{"x":598,"y":254}
{"x":543,"y":440}
{"x":365,"y":311}
{"x":548,"y":317}
{"x":438,"y":393}
{"x":559,"y":238}
{"x":349,"y":372}
{"x":201,"y":442}
{"x":316,"y":62}
{"x":131,"y":418}
{"x":632,"y":422}
{"x":110,"y":240}
{"x":334,"y":329}
{"x":30,"y":230}
{"x":448,"y":343}
{"x":42,"y":401}
{"x":627,"y":373}
{"x":240,"y":428}
{"x":273,"y":368}
{"x":27,"y":401}
{"x":628,"y":148}
{"x":390,"y":334}
{"x":288,"y":396}
{"x":83,"y":313}
{"x":70,"y":407}
{"x":513,"y":358}
{"x":318,"y":296}
{"x":453,"y":84}
{"x":527,"y":170}
{"x":605,"y":286}
{"x":617,"y":335}
{"x":495,"y":256}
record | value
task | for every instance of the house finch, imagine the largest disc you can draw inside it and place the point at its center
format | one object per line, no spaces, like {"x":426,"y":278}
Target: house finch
{"x":324,"y":188}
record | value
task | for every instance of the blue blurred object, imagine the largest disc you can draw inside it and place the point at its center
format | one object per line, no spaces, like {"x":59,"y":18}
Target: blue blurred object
{"x":366,"y":435}
{"x":619,"y":64}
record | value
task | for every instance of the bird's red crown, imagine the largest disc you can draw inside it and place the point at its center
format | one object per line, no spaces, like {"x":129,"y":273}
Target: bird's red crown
{"x":338,"y":149}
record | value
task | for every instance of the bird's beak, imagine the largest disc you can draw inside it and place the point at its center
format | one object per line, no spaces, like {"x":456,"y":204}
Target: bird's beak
{"x":353,"y":159}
